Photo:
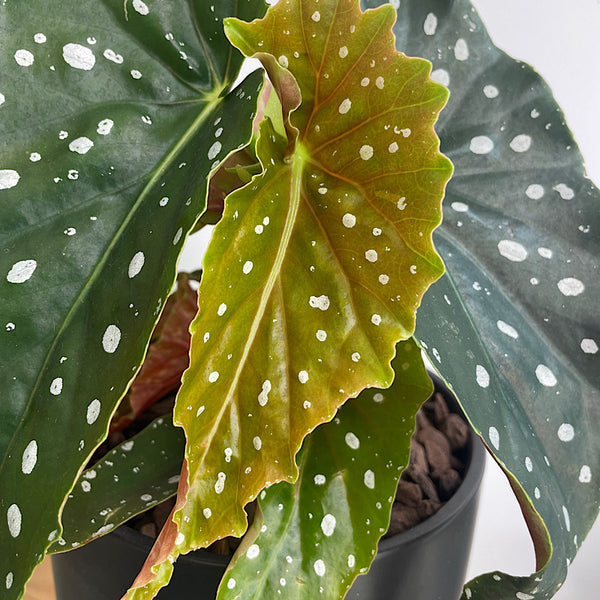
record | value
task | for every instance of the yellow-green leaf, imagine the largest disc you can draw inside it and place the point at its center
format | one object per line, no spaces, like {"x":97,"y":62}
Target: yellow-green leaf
{"x":318,"y":265}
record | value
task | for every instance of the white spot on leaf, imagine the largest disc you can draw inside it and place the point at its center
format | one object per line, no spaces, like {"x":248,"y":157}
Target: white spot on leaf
{"x":81,"y":145}
{"x":263,"y":397}
{"x":220,"y":483}
{"x":349,"y":220}
{"x":494,"y":437}
{"x":320,"y":302}
{"x":141,"y":7}
{"x":8,"y":178}
{"x":56,"y":386}
{"x":490,"y":91}
{"x":481,"y":144}
{"x":319,"y":567}
{"x":534,"y":191}
{"x":113,"y":56}
{"x":24,"y":58}
{"x":29,"y":458}
{"x":21,"y":271}
{"x":13,"y":518}
{"x":461,"y":50}
{"x":328,"y":524}
{"x":585,"y":474}
{"x":366,"y":152}
{"x":511,"y":250}
{"x":214,"y":150}
{"x":430,"y":24}
{"x":441,"y":76}
{"x":571,"y":286}
{"x":345,"y":106}
{"x":507,"y":329}
{"x":111,"y":339}
{"x":136,"y":264}
{"x":482,"y":376}
{"x":589,"y":346}
{"x":566,"y":432}
{"x":521,"y":143}
{"x":566,"y":193}
{"x":93,"y":411}
{"x":371,"y":255}
{"x":105,"y":126}
{"x":352,"y":441}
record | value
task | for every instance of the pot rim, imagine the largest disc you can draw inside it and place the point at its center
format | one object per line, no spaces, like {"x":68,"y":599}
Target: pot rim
{"x":467,"y":490}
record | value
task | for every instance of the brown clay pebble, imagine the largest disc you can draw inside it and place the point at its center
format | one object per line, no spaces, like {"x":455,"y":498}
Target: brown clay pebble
{"x":456,"y":463}
{"x":403,"y":518}
{"x":437,"y":447}
{"x":448,"y":483}
{"x":418,"y":458}
{"x":438,"y":455}
{"x":428,"y":508}
{"x":425,"y":483}
{"x":456,"y":431}
{"x":436,"y":409}
{"x":408,"y":493}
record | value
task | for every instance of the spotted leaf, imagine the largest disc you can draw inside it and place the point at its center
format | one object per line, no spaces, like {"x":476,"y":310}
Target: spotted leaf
{"x":112,"y":115}
{"x":131,"y":478}
{"x":317,"y":266}
{"x":513,"y":325}
{"x":313,"y":538}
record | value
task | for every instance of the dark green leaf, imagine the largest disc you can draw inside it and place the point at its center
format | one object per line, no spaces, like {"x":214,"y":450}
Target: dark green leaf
{"x":313,"y":538}
{"x":514,"y":324}
{"x":131,"y":478}
{"x":110,"y":123}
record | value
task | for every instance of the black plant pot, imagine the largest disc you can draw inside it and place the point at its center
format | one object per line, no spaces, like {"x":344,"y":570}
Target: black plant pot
{"x":428,"y":562}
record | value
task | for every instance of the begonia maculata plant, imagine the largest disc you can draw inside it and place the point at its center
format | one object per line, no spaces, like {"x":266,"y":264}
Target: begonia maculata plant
{"x":298,"y":364}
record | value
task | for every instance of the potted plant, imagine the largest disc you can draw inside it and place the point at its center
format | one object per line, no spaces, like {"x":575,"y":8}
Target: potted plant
{"x":511,"y":324}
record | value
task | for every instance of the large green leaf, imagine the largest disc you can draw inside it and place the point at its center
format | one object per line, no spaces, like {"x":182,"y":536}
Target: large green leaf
{"x":513,"y":325}
{"x":318,"y":265}
{"x":313,"y":538}
{"x":111,"y":117}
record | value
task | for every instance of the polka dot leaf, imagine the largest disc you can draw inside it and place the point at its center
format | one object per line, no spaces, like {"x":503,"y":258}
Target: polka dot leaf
{"x":513,"y":324}
{"x":318,"y":265}
{"x":313,"y":538}
{"x":133,"y":477}
{"x":111,"y":119}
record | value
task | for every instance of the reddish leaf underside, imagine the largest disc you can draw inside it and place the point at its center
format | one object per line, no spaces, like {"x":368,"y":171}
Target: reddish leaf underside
{"x":318,"y":265}
{"x":167,"y":357}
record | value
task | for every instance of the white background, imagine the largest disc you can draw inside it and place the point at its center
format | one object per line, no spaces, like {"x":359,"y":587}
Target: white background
{"x":561,"y":40}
